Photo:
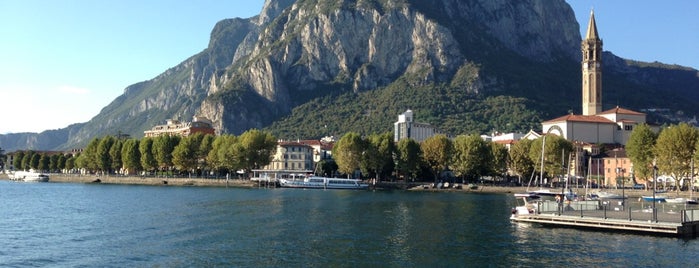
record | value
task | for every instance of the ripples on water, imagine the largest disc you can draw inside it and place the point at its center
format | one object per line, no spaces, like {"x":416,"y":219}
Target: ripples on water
{"x":55,"y":224}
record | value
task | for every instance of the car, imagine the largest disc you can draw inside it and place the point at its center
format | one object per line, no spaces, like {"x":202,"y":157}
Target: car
{"x":639,"y":186}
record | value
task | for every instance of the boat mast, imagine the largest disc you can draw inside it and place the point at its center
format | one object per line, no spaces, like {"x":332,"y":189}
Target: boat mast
{"x":541,"y":169}
{"x":691,"y":181}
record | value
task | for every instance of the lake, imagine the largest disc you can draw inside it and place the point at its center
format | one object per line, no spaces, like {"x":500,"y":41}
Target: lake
{"x":66,"y":224}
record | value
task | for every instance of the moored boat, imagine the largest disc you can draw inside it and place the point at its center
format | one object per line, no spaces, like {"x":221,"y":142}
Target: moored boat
{"x":524,"y":208}
{"x":29,"y":176}
{"x":608,"y":195}
{"x":658,"y":198}
{"x":681,"y":200}
{"x":316,"y":182}
{"x":528,"y":195}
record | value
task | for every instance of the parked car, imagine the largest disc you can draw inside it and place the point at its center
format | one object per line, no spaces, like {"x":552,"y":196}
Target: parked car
{"x":639,"y":186}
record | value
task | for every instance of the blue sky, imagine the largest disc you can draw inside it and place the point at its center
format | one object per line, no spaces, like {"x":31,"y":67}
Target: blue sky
{"x":63,"y":61}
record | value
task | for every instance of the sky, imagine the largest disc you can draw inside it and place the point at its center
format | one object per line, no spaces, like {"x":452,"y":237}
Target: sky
{"x":62,"y":61}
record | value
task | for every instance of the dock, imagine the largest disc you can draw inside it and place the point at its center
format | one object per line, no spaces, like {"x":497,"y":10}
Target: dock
{"x":596,"y":215}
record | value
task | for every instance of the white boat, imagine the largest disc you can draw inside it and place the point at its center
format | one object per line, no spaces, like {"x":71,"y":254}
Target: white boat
{"x":529,"y":195}
{"x":569,"y":195}
{"x":316,"y":182}
{"x":29,"y":176}
{"x":608,"y":195}
{"x":678,"y":200}
{"x":526,"y":208}
{"x":658,"y":198}
{"x":681,"y":200}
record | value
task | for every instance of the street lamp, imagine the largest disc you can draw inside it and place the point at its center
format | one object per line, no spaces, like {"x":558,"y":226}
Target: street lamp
{"x":623,"y":185}
{"x":655,"y":179}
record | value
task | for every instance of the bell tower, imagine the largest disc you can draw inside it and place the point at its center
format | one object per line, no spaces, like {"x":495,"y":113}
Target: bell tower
{"x":591,"y":69}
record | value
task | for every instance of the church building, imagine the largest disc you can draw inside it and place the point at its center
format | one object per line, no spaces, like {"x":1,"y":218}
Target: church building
{"x":594,"y":126}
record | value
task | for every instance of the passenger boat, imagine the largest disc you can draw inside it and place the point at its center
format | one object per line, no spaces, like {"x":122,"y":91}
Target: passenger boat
{"x":316,"y":182}
{"x":29,"y":176}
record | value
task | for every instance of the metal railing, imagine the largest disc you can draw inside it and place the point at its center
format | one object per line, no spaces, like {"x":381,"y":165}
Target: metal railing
{"x":616,"y":209}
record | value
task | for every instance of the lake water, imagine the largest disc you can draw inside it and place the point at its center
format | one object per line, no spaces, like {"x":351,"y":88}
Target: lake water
{"x":69,"y":225}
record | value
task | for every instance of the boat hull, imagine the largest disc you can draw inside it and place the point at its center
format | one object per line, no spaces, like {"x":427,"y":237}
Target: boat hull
{"x":323,"y":183}
{"x":659,"y":199}
{"x":36,"y":179}
{"x":29,"y":176}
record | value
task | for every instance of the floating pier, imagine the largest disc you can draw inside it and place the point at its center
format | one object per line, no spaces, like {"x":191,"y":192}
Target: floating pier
{"x":681,"y":223}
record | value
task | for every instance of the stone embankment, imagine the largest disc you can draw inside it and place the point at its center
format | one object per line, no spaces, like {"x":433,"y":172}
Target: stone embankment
{"x":206,"y":182}
{"x":148,"y":180}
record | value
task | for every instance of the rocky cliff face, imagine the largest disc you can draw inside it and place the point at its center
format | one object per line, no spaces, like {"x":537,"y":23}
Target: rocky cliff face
{"x":256,"y":70}
{"x":362,"y":45}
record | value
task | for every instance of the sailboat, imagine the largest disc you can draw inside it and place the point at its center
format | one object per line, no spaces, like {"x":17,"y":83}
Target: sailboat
{"x":691,"y":200}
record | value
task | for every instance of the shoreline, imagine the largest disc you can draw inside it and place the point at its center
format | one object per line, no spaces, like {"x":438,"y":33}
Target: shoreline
{"x":241,"y":183}
{"x":153,"y":181}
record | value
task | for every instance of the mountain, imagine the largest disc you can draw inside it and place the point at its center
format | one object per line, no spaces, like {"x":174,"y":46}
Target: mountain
{"x":309,"y":68}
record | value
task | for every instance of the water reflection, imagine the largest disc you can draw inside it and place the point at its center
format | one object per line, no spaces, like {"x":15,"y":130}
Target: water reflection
{"x":97,"y":225}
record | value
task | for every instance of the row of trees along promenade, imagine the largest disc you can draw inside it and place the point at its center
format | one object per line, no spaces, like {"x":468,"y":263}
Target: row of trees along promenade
{"x":468,"y":157}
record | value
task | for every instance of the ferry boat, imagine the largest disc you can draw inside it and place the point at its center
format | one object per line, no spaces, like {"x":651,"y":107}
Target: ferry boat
{"x":29,"y":176}
{"x":316,"y":182}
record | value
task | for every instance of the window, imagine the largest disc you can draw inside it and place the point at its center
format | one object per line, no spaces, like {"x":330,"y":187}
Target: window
{"x":628,"y":127}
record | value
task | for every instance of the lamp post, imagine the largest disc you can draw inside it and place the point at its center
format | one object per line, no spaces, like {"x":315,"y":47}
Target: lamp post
{"x":655,"y":179}
{"x":623,"y":185}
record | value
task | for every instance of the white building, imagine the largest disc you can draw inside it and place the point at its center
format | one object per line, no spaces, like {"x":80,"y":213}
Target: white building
{"x":293,"y":156}
{"x":405,"y":128}
{"x":506,"y":139}
{"x":594,"y":126}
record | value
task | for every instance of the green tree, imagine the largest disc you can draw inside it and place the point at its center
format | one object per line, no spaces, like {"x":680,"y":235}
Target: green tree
{"x":347,"y":153}
{"x":472,"y":157}
{"x":205,"y":147}
{"x":115,"y":154}
{"x":17,"y":161}
{"x":61,"y":162}
{"x":35,"y":161}
{"x":437,"y":151}
{"x":225,"y":154}
{"x":327,"y":167}
{"x":555,"y":154}
{"x":3,"y":158}
{"x":131,"y":156}
{"x":674,"y":150}
{"x":70,"y":163}
{"x":88,"y":158}
{"x":162,"y":150}
{"x":408,"y":156}
{"x":639,"y":149}
{"x":26,"y":163}
{"x":257,"y":149}
{"x":520,"y":162}
{"x":53,"y":162}
{"x":378,"y":155}
{"x":44,"y":163}
{"x":500,"y":158}
{"x":184,"y":154}
{"x":104,"y":161}
{"x":145,"y":148}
